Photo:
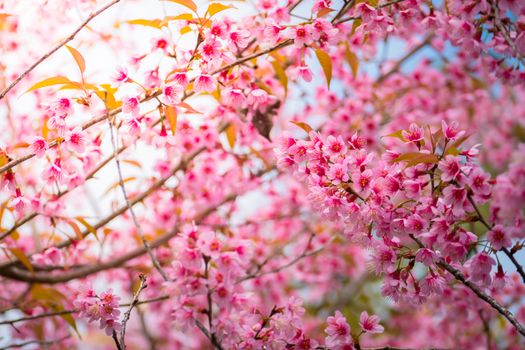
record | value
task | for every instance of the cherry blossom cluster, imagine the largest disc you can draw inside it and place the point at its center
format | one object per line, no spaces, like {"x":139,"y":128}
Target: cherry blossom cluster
{"x":103,"y":308}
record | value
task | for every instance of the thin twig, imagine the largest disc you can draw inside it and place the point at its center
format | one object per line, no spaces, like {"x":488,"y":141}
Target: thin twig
{"x":39,"y":342}
{"x":74,"y":311}
{"x":143,"y":284}
{"x":58,"y":46}
{"x":211,"y":337}
{"x":130,"y":207}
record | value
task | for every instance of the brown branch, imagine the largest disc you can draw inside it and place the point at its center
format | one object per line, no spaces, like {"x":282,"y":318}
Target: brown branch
{"x":211,"y":337}
{"x":403,"y":59}
{"x":74,"y":311}
{"x":27,"y":276}
{"x":58,"y":46}
{"x":519,"y":267}
{"x":477,"y":290}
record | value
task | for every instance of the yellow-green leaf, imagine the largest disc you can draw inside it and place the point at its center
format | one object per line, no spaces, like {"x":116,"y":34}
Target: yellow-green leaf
{"x":231,"y":134}
{"x":78,"y":58}
{"x":20,"y":255}
{"x":398,"y":135}
{"x":414,"y":158}
{"x":171,"y":116}
{"x":186,"y":3}
{"x":352,"y":60}
{"x":59,"y":80}
{"x":71,"y":321}
{"x":281,"y":75}
{"x":216,"y":7}
{"x":326,"y":63}
{"x":303,"y":126}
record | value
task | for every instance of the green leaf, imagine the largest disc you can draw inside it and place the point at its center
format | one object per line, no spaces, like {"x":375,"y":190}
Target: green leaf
{"x":281,"y":75}
{"x":78,"y":58}
{"x":20,"y":255}
{"x":414,"y":158}
{"x":398,"y":135}
{"x":326,"y":64}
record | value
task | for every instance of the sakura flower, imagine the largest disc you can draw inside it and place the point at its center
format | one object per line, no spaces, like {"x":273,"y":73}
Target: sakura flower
{"x":451,"y":131}
{"x":338,"y":330}
{"x":370,"y":324}
{"x":38,"y":146}
{"x":204,"y":83}
{"x":210,"y":49}
{"x":54,"y":173}
{"x":426,"y":256}
{"x":301,"y":34}
{"x":239,"y":38}
{"x":450,"y":168}
{"x":334,"y":146}
{"x":233,"y":97}
{"x":75,"y":140}
{"x":172,"y":94}
{"x":480,"y":268}
{"x":499,"y":237}
{"x":414,"y":133}
{"x":131,"y":105}
{"x":120,"y":75}
{"x":181,"y":78}
{"x":62,"y":107}
{"x":456,"y":197}
{"x":19,"y":203}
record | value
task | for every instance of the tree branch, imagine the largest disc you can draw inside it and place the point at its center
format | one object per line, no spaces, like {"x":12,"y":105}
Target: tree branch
{"x":127,"y":314}
{"x":58,"y":46}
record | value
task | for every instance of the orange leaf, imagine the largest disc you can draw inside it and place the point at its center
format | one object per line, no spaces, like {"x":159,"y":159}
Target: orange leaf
{"x":78,"y":58}
{"x":231,"y":134}
{"x":20,"y":255}
{"x":326,"y":63}
{"x":171,"y":115}
{"x":59,"y":80}
{"x":186,"y":3}
{"x":216,"y":7}
{"x":303,"y":126}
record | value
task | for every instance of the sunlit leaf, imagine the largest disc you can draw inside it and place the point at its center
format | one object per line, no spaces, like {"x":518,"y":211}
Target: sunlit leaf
{"x":154,"y":23}
{"x":281,"y":75}
{"x":116,"y":184}
{"x":231,"y":134}
{"x":352,"y":60}
{"x":303,"y":126}
{"x":398,"y":135}
{"x":326,"y":64}
{"x":216,"y":7}
{"x":186,"y":3}
{"x":188,"y":108}
{"x":78,"y":58}
{"x":87,"y":225}
{"x":74,"y":226}
{"x":132,"y":162}
{"x":20,"y":255}
{"x":59,"y":80}
{"x":171,"y":116}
